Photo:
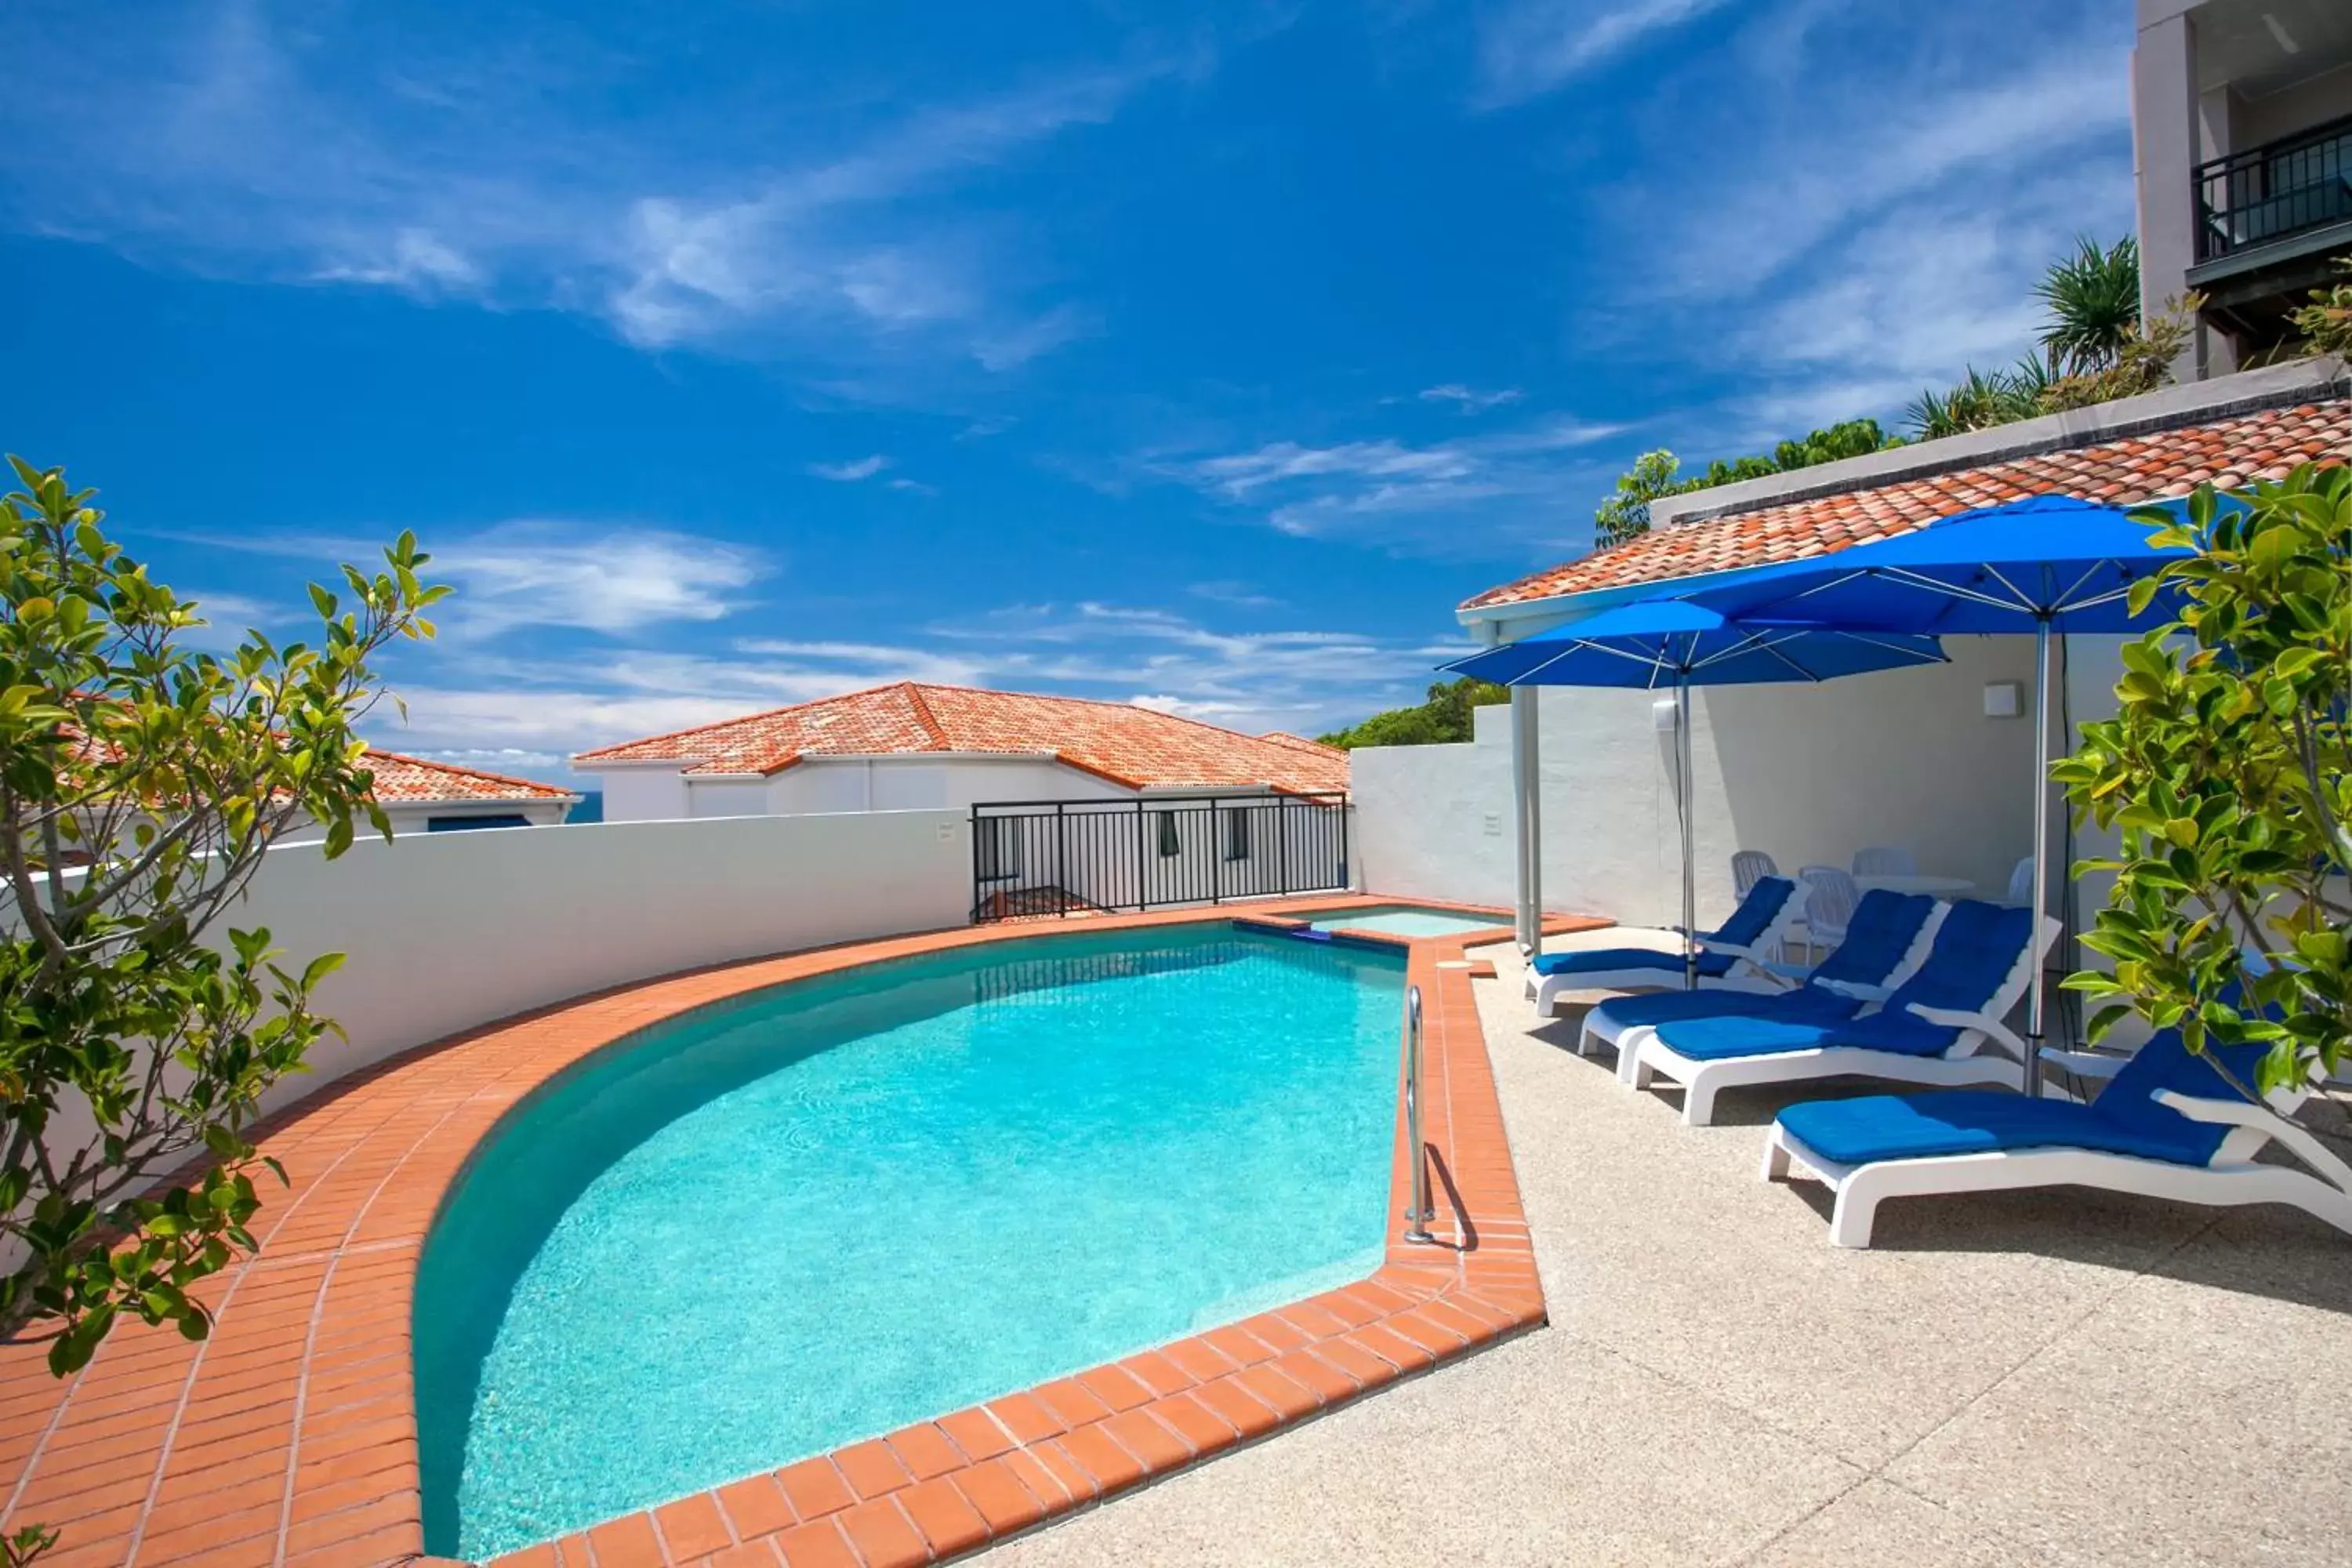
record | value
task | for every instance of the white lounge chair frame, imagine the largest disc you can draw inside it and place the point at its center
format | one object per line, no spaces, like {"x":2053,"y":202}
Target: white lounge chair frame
{"x":2232,"y":1177}
{"x":1748,"y":972}
{"x":1602,"y":1028}
{"x":1642,"y":1055}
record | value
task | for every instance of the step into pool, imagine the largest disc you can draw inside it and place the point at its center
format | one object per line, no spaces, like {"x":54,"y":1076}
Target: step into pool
{"x":837,"y":1207}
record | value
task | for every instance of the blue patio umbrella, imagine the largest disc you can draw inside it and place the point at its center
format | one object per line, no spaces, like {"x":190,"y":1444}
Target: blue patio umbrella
{"x":1655,"y":643}
{"x":2050,"y":564}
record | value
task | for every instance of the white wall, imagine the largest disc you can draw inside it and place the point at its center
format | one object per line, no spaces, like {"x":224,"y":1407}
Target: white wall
{"x":1807,"y":773}
{"x":417,"y":817}
{"x":642,"y":795}
{"x":450,"y":930}
{"x":821,"y":784}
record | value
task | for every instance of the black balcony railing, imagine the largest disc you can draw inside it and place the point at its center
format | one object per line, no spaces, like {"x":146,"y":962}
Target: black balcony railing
{"x":1054,"y":858}
{"x":2281,"y":188}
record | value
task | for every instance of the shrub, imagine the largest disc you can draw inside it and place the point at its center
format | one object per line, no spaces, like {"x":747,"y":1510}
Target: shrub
{"x":2227,"y":775}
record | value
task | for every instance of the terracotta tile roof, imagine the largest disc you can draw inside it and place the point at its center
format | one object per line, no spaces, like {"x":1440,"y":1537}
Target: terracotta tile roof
{"x":405,"y":778}
{"x":2131,"y":471}
{"x":1134,"y":746}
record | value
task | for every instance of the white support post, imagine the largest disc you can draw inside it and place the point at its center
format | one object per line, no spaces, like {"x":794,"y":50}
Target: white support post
{"x":1527,"y":801}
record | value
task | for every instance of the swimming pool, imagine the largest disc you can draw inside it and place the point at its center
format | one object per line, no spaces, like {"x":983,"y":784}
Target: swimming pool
{"x":760,"y":1232}
{"x":1410,"y":920}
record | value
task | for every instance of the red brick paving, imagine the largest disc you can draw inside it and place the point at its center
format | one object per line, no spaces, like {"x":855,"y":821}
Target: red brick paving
{"x":289,"y":1437}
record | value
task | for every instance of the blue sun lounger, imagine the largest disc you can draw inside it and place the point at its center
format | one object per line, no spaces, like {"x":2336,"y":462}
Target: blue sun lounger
{"x":1931,"y":1030}
{"x":2166,"y":1126}
{"x":1885,"y":940}
{"x":1731,"y":957}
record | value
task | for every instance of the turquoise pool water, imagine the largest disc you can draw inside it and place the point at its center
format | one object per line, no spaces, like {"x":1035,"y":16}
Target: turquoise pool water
{"x":1410,"y":923}
{"x":846,"y":1205}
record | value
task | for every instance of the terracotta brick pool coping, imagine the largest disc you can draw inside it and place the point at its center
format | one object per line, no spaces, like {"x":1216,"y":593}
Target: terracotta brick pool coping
{"x":289,"y":1437}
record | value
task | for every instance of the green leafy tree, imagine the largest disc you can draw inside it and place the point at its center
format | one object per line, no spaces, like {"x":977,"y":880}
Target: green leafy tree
{"x":2092,"y":301}
{"x":2227,"y":776}
{"x":1625,"y":514}
{"x":1445,"y":720}
{"x":140,"y":780}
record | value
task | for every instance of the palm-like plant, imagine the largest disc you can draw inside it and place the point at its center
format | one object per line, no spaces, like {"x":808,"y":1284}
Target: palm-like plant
{"x":1984,"y":399}
{"x":2092,"y":298}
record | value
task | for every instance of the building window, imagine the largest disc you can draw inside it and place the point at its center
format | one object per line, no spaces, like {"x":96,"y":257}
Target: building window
{"x":999,"y":848}
{"x":1237,"y":835}
{"x":468,"y":823}
{"x":1170,"y":844}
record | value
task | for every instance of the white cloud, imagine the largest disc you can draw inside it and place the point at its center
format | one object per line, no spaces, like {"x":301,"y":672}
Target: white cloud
{"x":1818,"y":164}
{"x":851,"y":472}
{"x":220,"y":141}
{"x":552,"y":573}
{"x":1528,"y":48}
{"x":417,"y":262}
{"x":540,"y":719}
{"x":1306,"y":680}
{"x":1240,"y":595}
{"x":1018,"y":344}
{"x":1470,"y":399}
{"x":1846,"y":242}
{"x":1399,"y":492}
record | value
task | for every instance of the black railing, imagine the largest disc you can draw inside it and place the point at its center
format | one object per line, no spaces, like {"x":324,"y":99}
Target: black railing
{"x":1048,"y":858}
{"x":2271,"y":192}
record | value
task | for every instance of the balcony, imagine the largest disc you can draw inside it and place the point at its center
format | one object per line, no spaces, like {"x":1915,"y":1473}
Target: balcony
{"x":2253,"y":201}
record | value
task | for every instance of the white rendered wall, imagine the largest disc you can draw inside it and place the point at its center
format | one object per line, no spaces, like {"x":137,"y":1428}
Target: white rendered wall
{"x":449,"y":931}
{"x":642,"y":795}
{"x":1807,"y":773}
{"x":417,"y":817}
{"x":824,"y":785}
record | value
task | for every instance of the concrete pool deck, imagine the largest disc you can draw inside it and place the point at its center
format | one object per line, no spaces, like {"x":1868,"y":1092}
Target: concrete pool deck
{"x":2061,"y":1377}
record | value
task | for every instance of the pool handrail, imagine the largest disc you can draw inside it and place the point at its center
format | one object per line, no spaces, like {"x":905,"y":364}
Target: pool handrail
{"x":1419,"y":1213}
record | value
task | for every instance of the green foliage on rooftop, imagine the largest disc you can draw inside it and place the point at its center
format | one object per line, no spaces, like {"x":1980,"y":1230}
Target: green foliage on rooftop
{"x":2227,"y":776}
{"x":1445,"y":720}
{"x":1625,"y":514}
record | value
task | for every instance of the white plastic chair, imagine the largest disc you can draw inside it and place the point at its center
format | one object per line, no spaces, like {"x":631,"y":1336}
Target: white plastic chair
{"x":2020,"y":882}
{"x":1748,"y":868}
{"x":1829,"y":904}
{"x":1885,"y":861}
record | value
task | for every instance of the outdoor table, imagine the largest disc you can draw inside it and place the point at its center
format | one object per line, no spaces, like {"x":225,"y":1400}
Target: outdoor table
{"x":1936,"y":886}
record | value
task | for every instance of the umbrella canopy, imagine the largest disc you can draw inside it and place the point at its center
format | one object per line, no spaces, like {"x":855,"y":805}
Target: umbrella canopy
{"x":2064,"y":563}
{"x":1676,"y":644}
{"x":2048,"y":565}
{"x":1655,"y":642}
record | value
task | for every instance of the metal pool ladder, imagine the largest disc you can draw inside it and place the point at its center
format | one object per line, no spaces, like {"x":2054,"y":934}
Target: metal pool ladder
{"x":1418,"y":1216}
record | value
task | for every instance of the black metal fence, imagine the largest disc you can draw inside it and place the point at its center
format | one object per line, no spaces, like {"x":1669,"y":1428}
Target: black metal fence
{"x":2281,"y":188}
{"x":1045,"y":858}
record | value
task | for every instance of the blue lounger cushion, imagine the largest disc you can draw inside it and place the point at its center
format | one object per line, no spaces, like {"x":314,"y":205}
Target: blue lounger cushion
{"x":2126,"y":1119}
{"x":1608,"y":960}
{"x":1807,"y":1004}
{"x":1976,"y":948}
{"x":1747,"y":926}
{"x":1878,"y":934}
{"x":1976,"y":1121}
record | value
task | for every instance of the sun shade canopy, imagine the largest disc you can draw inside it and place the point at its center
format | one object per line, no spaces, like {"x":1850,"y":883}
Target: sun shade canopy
{"x":2069,"y":563}
{"x":1663,"y":642}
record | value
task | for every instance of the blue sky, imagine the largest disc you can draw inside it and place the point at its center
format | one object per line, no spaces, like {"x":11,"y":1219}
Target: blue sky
{"x":727,"y":355}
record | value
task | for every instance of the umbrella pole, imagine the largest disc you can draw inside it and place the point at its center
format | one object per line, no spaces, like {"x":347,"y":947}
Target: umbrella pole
{"x":1683,"y":797}
{"x":2034,"y":1017}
